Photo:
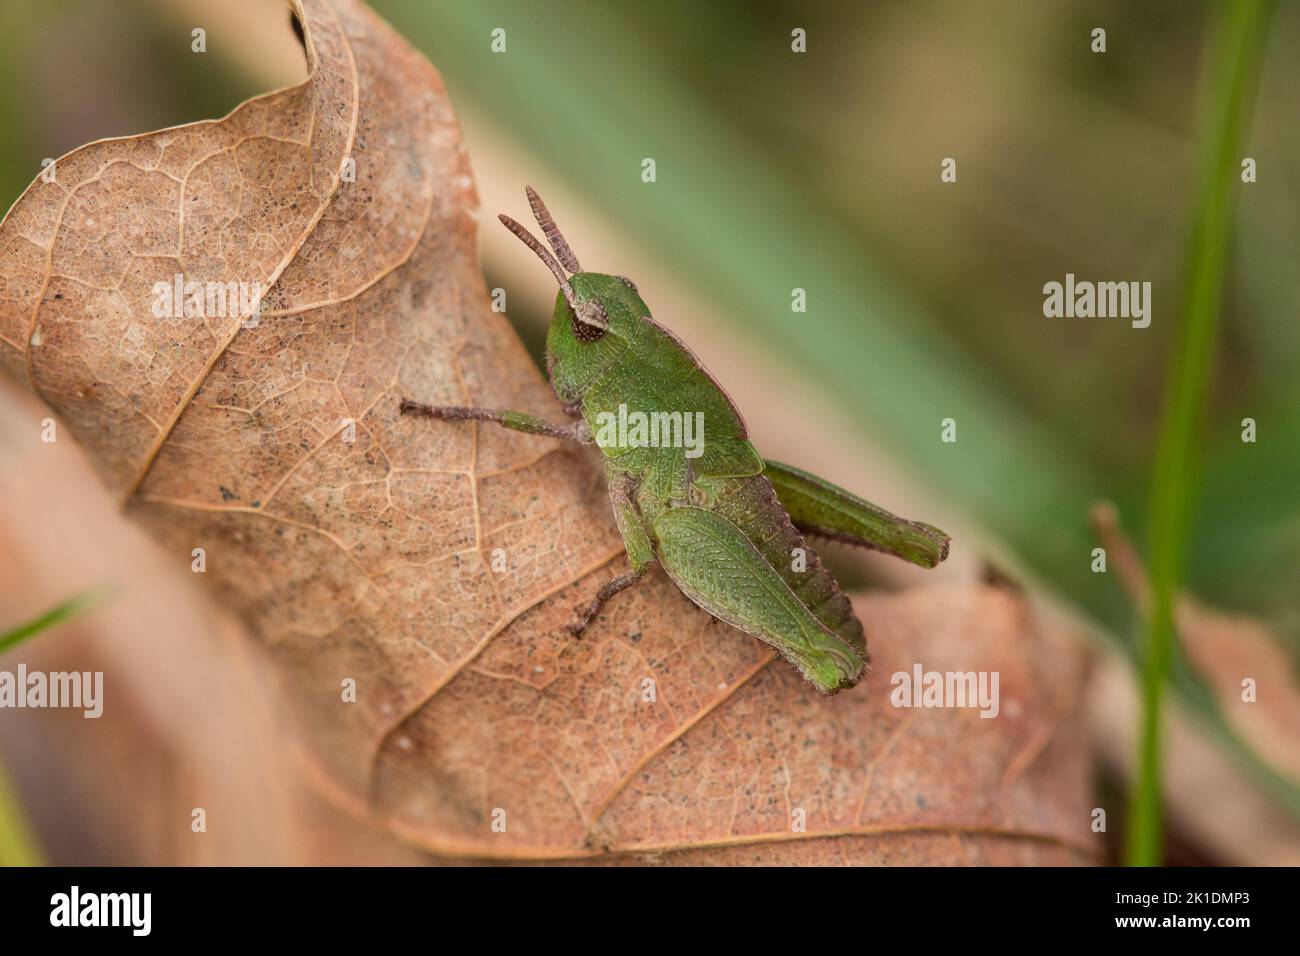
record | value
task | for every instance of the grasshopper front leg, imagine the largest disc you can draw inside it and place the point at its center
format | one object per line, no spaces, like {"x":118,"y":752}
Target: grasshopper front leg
{"x":515,"y":421}
{"x":818,"y":507}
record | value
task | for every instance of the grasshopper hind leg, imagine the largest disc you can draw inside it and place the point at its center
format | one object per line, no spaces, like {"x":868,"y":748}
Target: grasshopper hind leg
{"x":717,"y":566}
{"x":824,"y":510}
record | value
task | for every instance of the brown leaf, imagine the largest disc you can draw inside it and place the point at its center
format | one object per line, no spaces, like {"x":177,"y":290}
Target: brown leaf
{"x":371,"y":558}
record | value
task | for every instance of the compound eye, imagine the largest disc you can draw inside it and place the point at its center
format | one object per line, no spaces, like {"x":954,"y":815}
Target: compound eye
{"x":587,"y":333}
{"x":590,"y":321}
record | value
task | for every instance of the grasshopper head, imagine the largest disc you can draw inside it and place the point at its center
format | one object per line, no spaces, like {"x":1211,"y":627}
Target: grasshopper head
{"x":596,"y":315}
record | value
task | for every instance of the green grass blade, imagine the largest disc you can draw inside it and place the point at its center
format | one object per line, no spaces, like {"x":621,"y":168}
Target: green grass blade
{"x":17,"y":848}
{"x":55,"y":615}
{"x":1231,"y":84}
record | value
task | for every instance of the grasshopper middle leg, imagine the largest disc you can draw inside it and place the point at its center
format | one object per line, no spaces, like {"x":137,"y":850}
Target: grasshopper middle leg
{"x":607,"y":591}
{"x":636,"y":539}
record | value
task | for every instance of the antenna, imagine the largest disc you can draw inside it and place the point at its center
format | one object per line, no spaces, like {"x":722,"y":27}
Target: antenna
{"x":588,"y":313}
{"x":552,"y":231}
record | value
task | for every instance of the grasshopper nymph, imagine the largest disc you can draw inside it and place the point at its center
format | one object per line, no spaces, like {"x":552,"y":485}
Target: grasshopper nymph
{"x":724,"y":524}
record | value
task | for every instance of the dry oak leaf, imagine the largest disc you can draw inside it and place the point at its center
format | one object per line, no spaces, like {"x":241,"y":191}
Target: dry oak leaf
{"x":358,"y":544}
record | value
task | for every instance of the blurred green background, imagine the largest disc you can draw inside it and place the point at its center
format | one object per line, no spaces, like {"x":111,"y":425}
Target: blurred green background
{"x":778,"y":170}
{"x":821,"y":171}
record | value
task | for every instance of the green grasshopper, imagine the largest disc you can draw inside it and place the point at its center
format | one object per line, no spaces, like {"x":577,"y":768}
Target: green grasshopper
{"x":726,"y":526}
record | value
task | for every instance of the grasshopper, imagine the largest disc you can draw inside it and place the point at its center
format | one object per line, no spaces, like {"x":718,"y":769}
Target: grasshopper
{"x":726,"y":526}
